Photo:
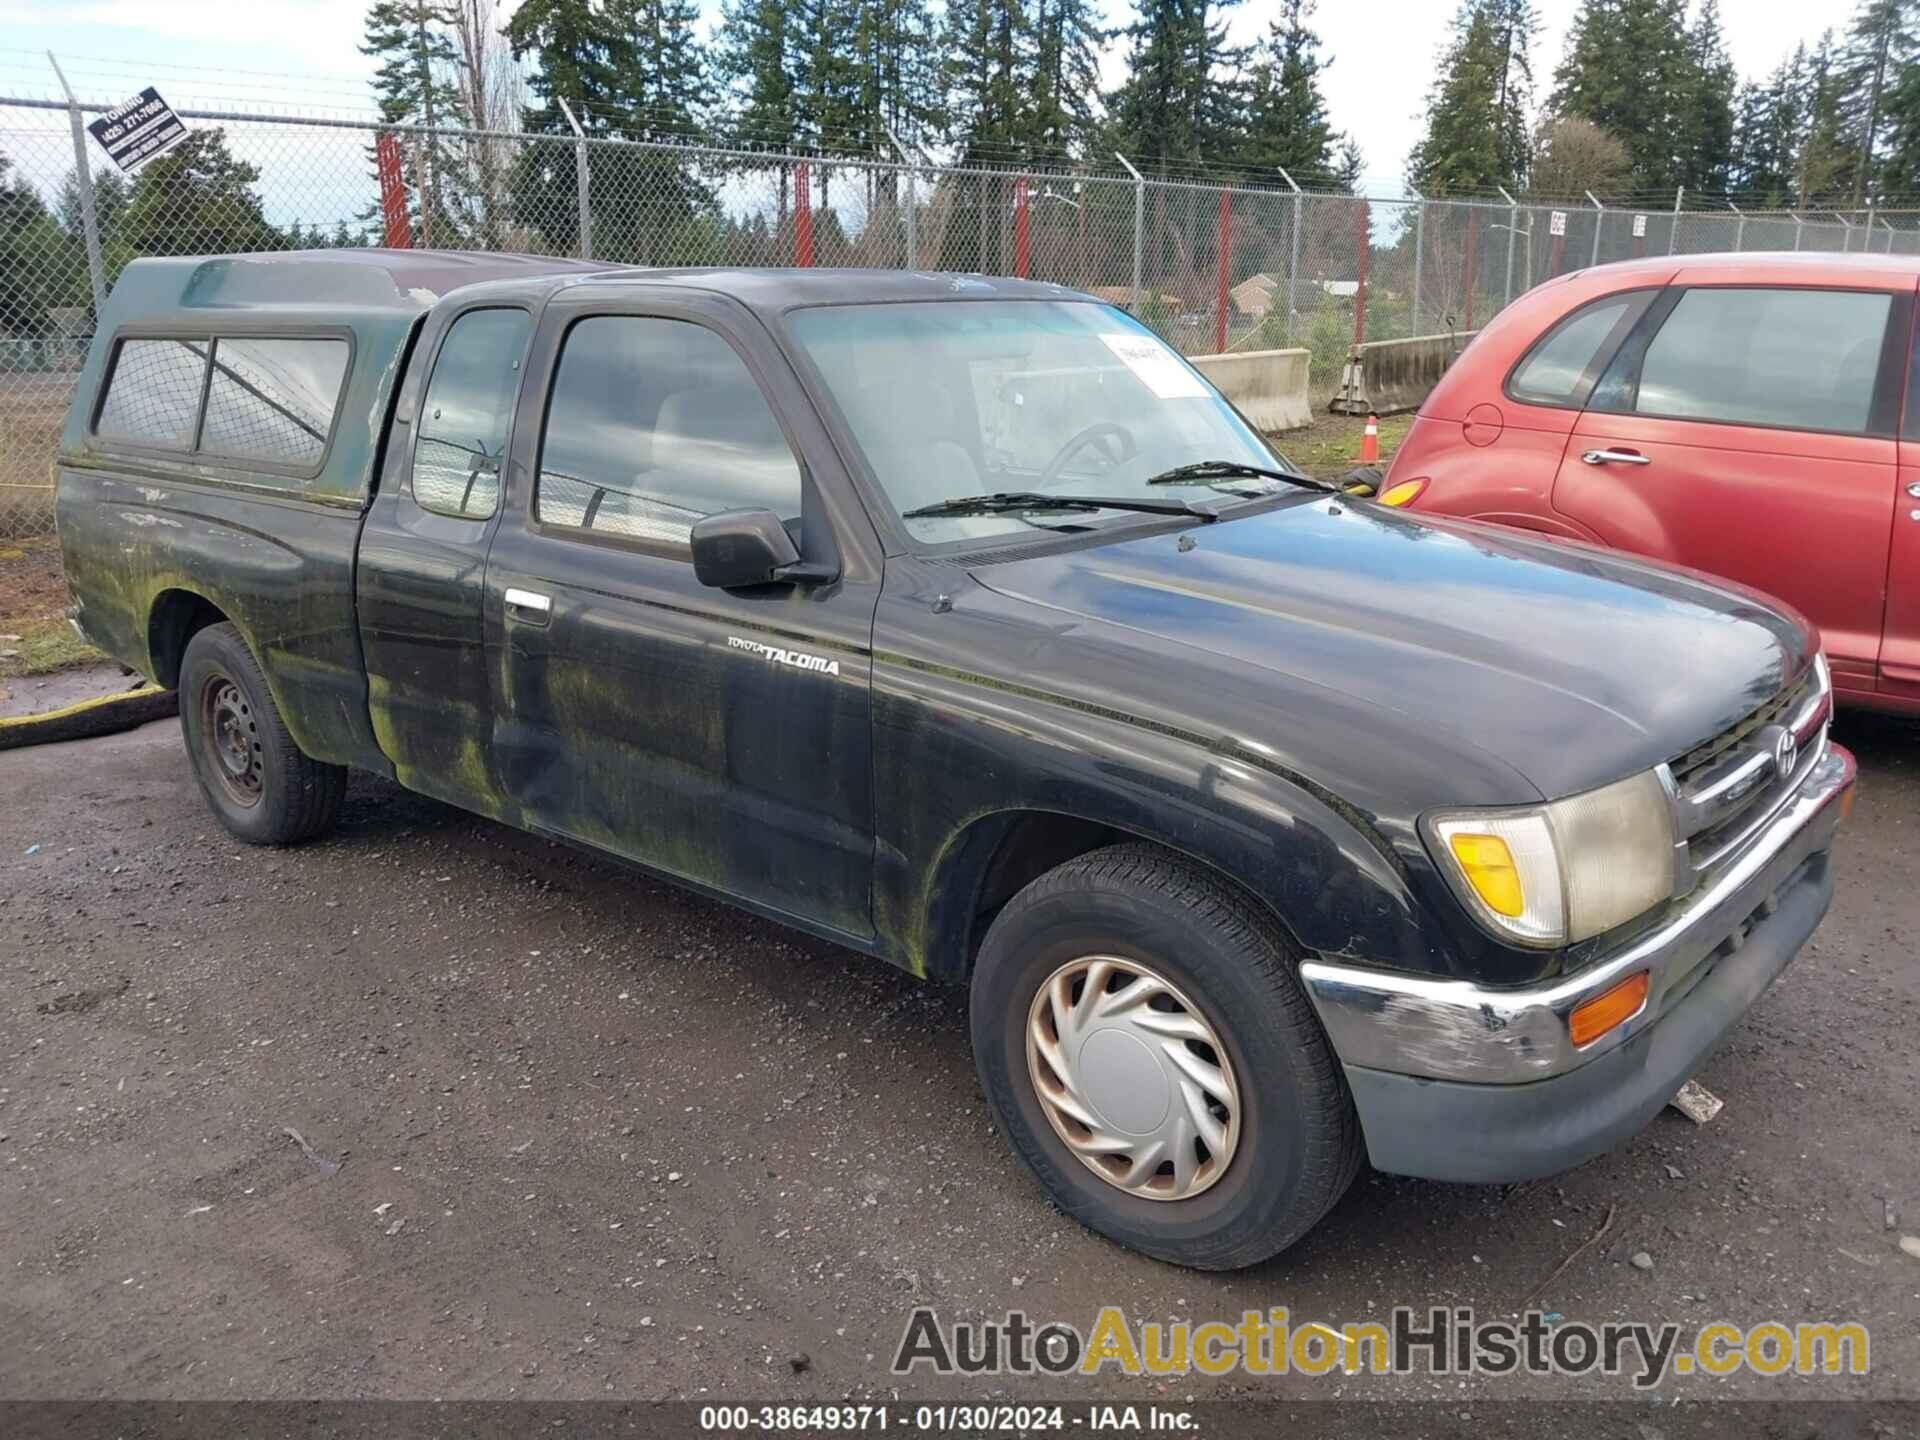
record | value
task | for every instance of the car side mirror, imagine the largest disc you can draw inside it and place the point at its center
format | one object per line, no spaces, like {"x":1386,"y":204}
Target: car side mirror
{"x":740,"y":548}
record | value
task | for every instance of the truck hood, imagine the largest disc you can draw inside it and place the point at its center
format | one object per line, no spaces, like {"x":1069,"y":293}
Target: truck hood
{"x":1574,"y":665}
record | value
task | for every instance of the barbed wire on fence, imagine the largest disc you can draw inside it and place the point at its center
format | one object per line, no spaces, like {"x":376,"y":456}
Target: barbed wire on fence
{"x":1209,"y":265}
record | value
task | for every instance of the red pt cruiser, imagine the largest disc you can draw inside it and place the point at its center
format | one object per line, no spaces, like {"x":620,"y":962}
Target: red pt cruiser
{"x":1749,"y":415}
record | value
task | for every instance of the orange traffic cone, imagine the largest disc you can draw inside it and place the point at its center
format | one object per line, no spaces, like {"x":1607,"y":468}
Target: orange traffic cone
{"x":1370,"y":441}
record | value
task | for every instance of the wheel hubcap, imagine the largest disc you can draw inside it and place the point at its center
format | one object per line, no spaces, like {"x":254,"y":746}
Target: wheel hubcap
{"x":230,"y":735}
{"x":1133,"y":1078}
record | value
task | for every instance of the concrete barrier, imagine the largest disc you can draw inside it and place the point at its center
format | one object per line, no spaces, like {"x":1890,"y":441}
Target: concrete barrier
{"x":1386,"y":377}
{"x":1269,"y":386}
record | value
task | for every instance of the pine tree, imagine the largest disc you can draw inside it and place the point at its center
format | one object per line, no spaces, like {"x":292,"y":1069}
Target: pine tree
{"x":755,"y":56}
{"x":629,"y":68}
{"x":1182,"y":101}
{"x":1067,"y":37}
{"x":1706,"y":111}
{"x":416,"y":83}
{"x":985,"y":42}
{"x":1288,"y":127}
{"x":1628,"y":68}
{"x":197,"y":199}
{"x":1824,"y":159}
{"x":1477,"y":99}
{"x":1768,"y":131}
{"x":1879,"y":50}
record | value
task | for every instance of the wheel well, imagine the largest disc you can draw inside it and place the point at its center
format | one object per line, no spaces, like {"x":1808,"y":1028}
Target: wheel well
{"x":178,"y":615}
{"x":987,"y":866}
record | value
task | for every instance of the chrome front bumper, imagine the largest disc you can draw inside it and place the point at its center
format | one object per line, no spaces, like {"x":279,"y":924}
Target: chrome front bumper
{"x":1457,"y":1030}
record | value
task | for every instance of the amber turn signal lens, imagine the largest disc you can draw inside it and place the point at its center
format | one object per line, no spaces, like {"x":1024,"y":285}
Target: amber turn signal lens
{"x":1404,"y":493}
{"x":1846,"y":802}
{"x":1610,"y":1008}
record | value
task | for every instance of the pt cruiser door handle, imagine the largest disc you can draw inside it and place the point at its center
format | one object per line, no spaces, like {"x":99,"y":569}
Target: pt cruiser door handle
{"x":529,"y":607}
{"x":1615,"y":457}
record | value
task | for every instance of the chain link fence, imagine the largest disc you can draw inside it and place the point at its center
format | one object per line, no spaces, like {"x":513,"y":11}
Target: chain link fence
{"x":1208,"y":267}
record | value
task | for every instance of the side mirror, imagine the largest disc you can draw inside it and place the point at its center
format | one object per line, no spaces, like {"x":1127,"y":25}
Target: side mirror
{"x":740,"y":548}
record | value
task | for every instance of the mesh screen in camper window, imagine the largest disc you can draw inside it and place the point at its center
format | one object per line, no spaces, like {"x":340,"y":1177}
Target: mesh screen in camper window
{"x":273,"y":400}
{"x":154,"y":395}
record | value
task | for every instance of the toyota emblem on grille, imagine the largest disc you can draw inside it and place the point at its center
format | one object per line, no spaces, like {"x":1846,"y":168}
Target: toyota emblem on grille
{"x":1786,"y":753}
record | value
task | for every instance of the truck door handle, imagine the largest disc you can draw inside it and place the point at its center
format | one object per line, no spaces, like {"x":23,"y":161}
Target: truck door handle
{"x":1615,"y":457}
{"x":529,"y":607}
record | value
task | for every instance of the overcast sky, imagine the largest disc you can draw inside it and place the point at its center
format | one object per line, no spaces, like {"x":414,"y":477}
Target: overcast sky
{"x":1383,"y":53}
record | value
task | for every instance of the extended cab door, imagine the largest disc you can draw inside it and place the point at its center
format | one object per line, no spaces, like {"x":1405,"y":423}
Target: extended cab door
{"x":721,"y":737}
{"x":1748,"y":431}
{"x":423,"y":551}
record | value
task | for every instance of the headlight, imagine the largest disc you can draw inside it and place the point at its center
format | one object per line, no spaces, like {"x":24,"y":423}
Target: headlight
{"x":1553,"y":874}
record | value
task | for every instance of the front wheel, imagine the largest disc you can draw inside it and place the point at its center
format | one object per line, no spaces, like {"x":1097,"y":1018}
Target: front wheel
{"x":1143,"y":1041}
{"x":263,"y":787}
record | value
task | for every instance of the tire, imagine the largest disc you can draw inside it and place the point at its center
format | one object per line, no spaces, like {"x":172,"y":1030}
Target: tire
{"x":1291,"y":1136}
{"x":261,"y":785}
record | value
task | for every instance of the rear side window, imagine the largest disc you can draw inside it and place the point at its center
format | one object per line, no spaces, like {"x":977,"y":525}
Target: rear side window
{"x":467,"y":412}
{"x":1787,"y":359}
{"x":273,"y":401}
{"x":1561,"y":368}
{"x":654,"y":424}
{"x":153,"y":397}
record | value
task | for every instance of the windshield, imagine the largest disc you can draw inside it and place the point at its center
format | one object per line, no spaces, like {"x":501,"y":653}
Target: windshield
{"x":962,"y":398}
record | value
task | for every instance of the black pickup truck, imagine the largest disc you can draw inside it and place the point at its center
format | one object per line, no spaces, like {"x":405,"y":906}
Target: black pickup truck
{"x":962,"y":622}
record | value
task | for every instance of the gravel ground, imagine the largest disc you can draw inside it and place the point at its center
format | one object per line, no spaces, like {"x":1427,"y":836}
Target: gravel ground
{"x":432,"y":1108}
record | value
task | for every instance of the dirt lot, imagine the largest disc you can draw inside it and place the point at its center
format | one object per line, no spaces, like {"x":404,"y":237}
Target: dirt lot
{"x":432,"y":1108}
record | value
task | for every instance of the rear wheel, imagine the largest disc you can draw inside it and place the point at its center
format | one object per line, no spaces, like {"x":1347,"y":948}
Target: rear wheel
{"x":1141,"y":1036}
{"x":265,"y":790}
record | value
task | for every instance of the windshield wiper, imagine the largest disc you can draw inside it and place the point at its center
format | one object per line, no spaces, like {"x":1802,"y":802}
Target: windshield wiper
{"x":1015,"y":500}
{"x":1202,"y":471}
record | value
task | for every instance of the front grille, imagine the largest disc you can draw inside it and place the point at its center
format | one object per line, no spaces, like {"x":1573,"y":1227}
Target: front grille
{"x":1725,"y":788}
{"x":1697,"y":759}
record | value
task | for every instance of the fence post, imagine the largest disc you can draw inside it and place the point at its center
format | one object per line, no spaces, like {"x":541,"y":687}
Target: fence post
{"x":913,"y":248}
{"x":1599,"y":219}
{"x":1739,"y":226}
{"x":1419,"y":250}
{"x":1139,"y":225}
{"x":1797,"y":223}
{"x":1022,"y":230}
{"x":1866,"y":243}
{"x":1473,"y":245}
{"x":1223,"y":261}
{"x":802,"y":215}
{"x":1365,"y":242}
{"x":83,"y":178}
{"x":1293,"y":252}
{"x":1673,"y":232}
{"x":1890,"y":233}
{"x":1513,"y":233}
{"x":1846,"y":233}
{"x":396,"y":231}
{"x":582,"y":184}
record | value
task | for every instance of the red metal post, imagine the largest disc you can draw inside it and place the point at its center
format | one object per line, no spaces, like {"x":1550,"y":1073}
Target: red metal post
{"x":1473,"y":226}
{"x":393,"y":193}
{"x":1364,"y":240}
{"x":1224,"y":264}
{"x":802,"y":215}
{"x":1559,"y":245}
{"x":1022,"y":230}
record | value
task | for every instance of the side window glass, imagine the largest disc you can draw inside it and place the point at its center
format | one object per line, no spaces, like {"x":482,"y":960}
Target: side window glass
{"x":653,"y":424}
{"x":273,"y":400}
{"x":153,"y":397}
{"x":1787,"y":359}
{"x":1560,"y":369}
{"x":466,"y":413}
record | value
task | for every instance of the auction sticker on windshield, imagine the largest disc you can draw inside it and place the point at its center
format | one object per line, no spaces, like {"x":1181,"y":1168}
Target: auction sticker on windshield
{"x":1159,"y":369}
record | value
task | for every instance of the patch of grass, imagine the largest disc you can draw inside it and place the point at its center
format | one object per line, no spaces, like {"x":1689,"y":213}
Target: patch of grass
{"x":45,"y":646}
{"x":1331,"y":445}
